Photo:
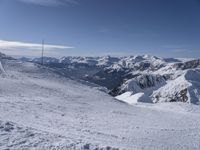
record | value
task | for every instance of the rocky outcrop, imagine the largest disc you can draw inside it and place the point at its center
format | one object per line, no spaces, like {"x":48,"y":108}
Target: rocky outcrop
{"x":188,"y":65}
{"x":139,"y":84}
{"x":180,"y":96}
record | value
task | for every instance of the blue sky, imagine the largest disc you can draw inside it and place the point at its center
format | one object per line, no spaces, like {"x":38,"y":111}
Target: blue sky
{"x":168,"y":28}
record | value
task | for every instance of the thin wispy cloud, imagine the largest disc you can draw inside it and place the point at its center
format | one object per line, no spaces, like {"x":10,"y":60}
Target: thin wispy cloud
{"x":103,"y":30}
{"x":174,"y":46}
{"x":30,"y":49}
{"x":50,"y":2}
{"x":177,"y":48}
{"x":180,"y":50}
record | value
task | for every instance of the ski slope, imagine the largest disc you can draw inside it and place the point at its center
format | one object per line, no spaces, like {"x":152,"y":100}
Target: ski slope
{"x":40,"y":110}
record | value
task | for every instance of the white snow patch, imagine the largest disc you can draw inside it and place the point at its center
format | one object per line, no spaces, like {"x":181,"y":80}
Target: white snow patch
{"x":131,"y":98}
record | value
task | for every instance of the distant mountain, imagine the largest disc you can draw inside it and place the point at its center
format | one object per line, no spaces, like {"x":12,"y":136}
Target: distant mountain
{"x":143,"y":76}
{"x":3,"y":56}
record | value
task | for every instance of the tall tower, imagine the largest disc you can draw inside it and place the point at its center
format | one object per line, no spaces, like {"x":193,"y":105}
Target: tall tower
{"x":42,"y":58}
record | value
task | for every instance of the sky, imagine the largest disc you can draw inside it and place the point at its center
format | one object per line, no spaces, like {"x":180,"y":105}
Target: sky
{"x":166,"y":28}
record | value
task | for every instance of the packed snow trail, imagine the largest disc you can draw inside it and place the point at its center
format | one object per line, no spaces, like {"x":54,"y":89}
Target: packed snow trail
{"x":40,"y":109}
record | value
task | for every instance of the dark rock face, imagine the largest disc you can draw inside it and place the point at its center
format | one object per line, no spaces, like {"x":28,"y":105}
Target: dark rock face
{"x":188,"y":65}
{"x":146,"y":81}
{"x":143,"y":66}
{"x":180,"y":96}
{"x":143,"y":82}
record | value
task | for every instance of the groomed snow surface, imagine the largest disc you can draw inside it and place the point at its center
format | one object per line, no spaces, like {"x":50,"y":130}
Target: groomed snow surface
{"x":41,"y":110}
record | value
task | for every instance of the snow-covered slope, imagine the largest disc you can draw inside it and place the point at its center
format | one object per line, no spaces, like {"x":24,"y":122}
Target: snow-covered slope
{"x":131,"y":98}
{"x":170,"y":82}
{"x":143,"y":83}
{"x":185,"y":88}
{"x":139,"y":88}
{"x":41,"y":110}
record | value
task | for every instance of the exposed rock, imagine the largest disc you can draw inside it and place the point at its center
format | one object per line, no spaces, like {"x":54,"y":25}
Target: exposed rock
{"x":188,"y":65}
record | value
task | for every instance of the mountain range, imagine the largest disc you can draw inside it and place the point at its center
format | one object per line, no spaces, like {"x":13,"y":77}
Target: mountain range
{"x":99,"y":103}
{"x":135,"y":79}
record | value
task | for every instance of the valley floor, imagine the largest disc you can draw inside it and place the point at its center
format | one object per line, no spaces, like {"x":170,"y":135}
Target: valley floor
{"x":41,"y":110}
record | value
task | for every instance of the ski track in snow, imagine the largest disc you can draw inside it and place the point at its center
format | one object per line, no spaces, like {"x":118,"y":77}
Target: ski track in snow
{"x":42,"y":110}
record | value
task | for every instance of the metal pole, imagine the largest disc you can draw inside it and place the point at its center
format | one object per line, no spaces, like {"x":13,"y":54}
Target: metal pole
{"x":42,"y":59}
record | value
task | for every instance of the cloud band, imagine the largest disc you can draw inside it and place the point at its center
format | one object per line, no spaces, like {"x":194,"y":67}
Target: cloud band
{"x":31,"y":49}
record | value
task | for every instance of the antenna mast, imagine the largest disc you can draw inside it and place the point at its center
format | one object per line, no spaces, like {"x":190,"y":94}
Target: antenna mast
{"x":42,"y":59}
